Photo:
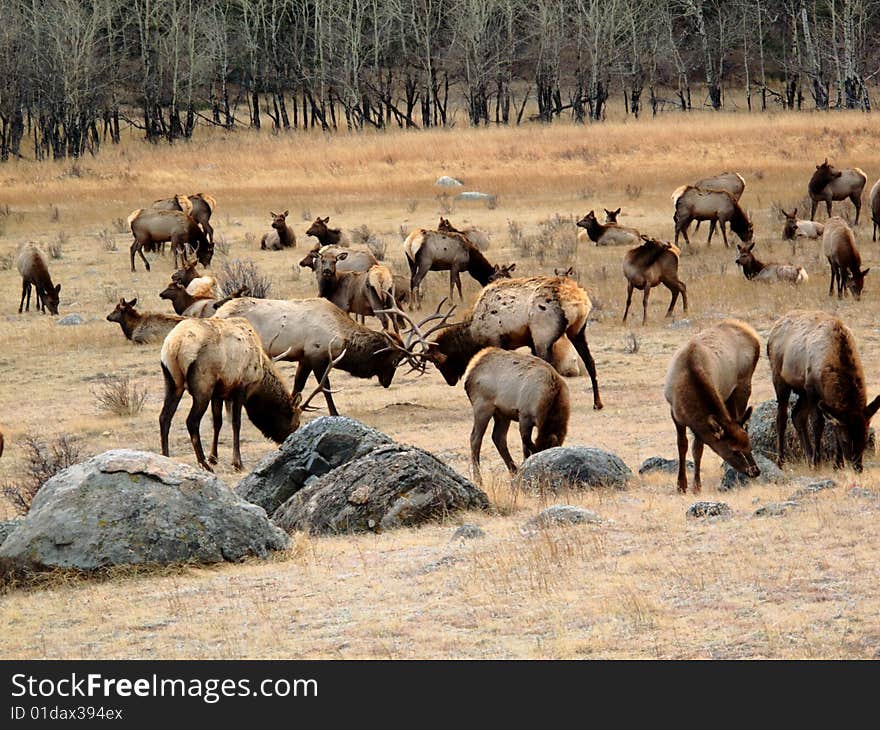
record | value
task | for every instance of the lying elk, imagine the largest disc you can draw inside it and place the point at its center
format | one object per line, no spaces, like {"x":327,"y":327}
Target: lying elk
{"x":646,"y":266}
{"x":199,"y":207}
{"x":755,"y":270}
{"x":357,"y":292}
{"x":142,"y":327}
{"x":222,"y":361}
{"x":156,"y":226}
{"x":716,"y":206}
{"x":281,"y":236}
{"x":33,"y":266}
{"x":797,"y":228}
{"x":608,"y":234}
{"x":813,"y":354}
{"x":428,"y":250}
{"x":476,"y":236}
{"x":829,"y":184}
{"x":328,"y":236}
{"x":611,"y":215}
{"x":708,"y":385}
{"x":875,"y":208}
{"x":187,"y":305}
{"x":197,"y":286}
{"x":511,"y":386}
{"x":839,"y":247}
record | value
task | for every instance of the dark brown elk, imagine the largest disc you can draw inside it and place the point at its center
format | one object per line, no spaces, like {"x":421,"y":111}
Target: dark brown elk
{"x":358,"y":292}
{"x":715,"y":206}
{"x":199,"y":207}
{"x":814,"y":355}
{"x":281,"y":236}
{"x":356,"y":260}
{"x":646,"y":266}
{"x":839,"y":247}
{"x":142,"y":327}
{"x":829,"y":184}
{"x":1,"y":443}
{"x":875,"y":208}
{"x":755,"y":270}
{"x":187,"y":305}
{"x":222,"y":361}
{"x":708,"y":385}
{"x":34,"y":269}
{"x":608,"y":234}
{"x":150,"y":225}
{"x":510,"y":386}
{"x":328,"y":236}
{"x":797,"y":228}
{"x":477,"y":236}
{"x":198,"y":286}
{"x":611,"y":215}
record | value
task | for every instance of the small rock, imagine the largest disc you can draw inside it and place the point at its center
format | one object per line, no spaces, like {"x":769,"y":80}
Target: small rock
{"x":559,"y":515}
{"x":71,"y":319}
{"x":732,"y":479}
{"x":775,"y":508}
{"x":667,"y":466}
{"x":709,"y":509}
{"x":360,"y":495}
{"x":468,"y":532}
{"x":812,"y":486}
{"x":863,"y":493}
{"x":680,"y":324}
{"x":572,"y":467}
{"x":448,"y":182}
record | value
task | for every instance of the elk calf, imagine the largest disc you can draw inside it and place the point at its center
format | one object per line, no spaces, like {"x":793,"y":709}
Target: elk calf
{"x":142,"y":327}
{"x":608,"y":234}
{"x":797,"y":228}
{"x":708,"y":385}
{"x":646,"y":266}
{"x":34,"y":269}
{"x":328,"y":236}
{"x":357,"y":292}
{"x":755,"y":270}
{"x":839,"y":246}
{"x":509,"y":386}
{"x":281,"y":236}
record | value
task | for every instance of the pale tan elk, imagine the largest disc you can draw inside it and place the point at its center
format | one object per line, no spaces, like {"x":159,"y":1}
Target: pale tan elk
{"x":708,"y":385}
{"x":142,"y":327}
{"x":509,"y":386}
{"x":328,"y":236}
{"x":610,"y":234}
{"x":33,"y":265}
{"x":646,"y":266}
{"x":798,"y":228}
{"x":199,"y":207}
{"x":814,"y":355}
{"x":222,"y":361}
{"x":197,"y":286}
{"x":357,"y":292}
{"x":477,"y":236}
{"x":839,"y":247}
{"x":151,"y":225}
{"x":281,"y":236}
{"x":829,"y":184}
{"x":875,"y":208}
{"x":715,"y":206}
{"x":755,"y":270}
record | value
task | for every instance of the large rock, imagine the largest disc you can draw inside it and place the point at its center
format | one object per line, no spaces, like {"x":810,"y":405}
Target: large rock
{"x":762,"y":434}
{"x":7,"y":526}
{"x":393,"y":486}
{"x":572,"y":467}
{"x":135,"y":507}
{"x":731,"y":478}
{"x":310,"y":452}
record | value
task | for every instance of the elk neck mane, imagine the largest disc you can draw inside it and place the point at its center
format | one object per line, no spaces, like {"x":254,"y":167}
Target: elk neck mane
{"x":649,"y":253}
{"x":739,"y":221}
{"x":269,"y":406}
{"x":844,"y":380}
{"x":705,"y":391}
{"x":478,"y":265}
{"x":821,"y":178}
{"x":458,"y":344}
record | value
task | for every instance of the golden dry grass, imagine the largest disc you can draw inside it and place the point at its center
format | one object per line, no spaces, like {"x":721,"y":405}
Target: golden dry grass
{"x":648,"y":584}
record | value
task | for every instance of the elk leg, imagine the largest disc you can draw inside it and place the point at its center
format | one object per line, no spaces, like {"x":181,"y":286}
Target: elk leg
{"x":833,"y":277}
{"x":328,"y":396}
{"x":828,"y":206}
{"x":583,"y":349}
{"x":724,"y":234}
{"x":499,"y":438}
{"x":645,"y":304}
{"x":526,"y":425}
{"x":139,"y":249}
{"x":682,"y":441}
{"x":783,"y":393}
{"x":481,"y":421}
{"x":25,"y":290}
{"x":813,"y":209}
{"x":697,"y":451}
{"x":237,"y":403}
{"x":193,"y":421}
{"x":817,"y":427}
{"x":629,"y":296}
{"x":303,"y":370}
{"x":674,"y":291}
{"x":711,"y":231}
{"x":857,"y":202}
{"x":800,"y":416}
{"x":217,"y":421}
{"x":173,"y":394}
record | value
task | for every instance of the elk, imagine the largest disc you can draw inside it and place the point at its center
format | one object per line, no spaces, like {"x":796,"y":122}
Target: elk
{"x":150,"y":225}
{"x":222,"y":361}
{"x":755,"y":270}
{"x":281,"y":236}
{"x":732,"y":182}
{"x":829,"y":184}
{"x":197,"y":286}
{"x":511,"y":386}
{"x":875,"y":208}
{"x":839,"y":247}
{"x":428,"y":250}
{"x":187,"y":305}
{"x":356,"y":260}
{"x":33,"y":266}
{"x":476,"y":236}
{"x":357,"y":292}
{"x":798,"y":228}
{"x":813,"y":354}
{"x":199,"y":206}
{"x":328,"y":236}
{"x":142,"y":327}
{"x":707,"y":386}
{"x":716,"y":206}
{"x":608,"y":234}
{"x":646,"y":266}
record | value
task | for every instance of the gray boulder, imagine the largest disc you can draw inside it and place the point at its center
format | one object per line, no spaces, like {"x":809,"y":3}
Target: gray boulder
{"x":654,"y":464}
{"x":574,"y":467}
{"x":392,"y":486}
{"x":731,"y":478}
{"x":6,"y":528}
{"x":134,"y":507}
{"x":560,"y":515}
{"x":71,"y":319}
{"x":309,"y":452}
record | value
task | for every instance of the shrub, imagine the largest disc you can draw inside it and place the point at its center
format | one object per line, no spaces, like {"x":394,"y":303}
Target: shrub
{"x":120,"y":397}
{"x":237,"y":274}
{"x":42,"y":462}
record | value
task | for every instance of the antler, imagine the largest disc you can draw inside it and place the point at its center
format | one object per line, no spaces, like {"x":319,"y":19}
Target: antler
{"x":417,"y":361}
{"x":335,"y":361}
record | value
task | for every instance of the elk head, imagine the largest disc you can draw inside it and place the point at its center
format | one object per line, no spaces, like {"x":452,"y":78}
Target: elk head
{"x":588,"y":221}
{"x":279,"y":220}
{"x":856,"y":282}
{"x":118,"y":314}
{"x":852,"y":429}
{"x":319,"y":227}
{"x":325,"y":264}
{"x":310,"y":260}
{"x":611,"y":215}
{"x":501,"y":272}
{"x":51,"y":298}
{"x":731,"y":442}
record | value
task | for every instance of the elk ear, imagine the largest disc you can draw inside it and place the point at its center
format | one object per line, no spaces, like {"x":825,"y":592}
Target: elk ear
{"x":794,"y":213}
{"x":132,"y":302}
{"x":749,"y":249}
{"x":327,"y":219}
{"x":617,"y":212}
{"x":511,"y":267}
{"x":745,"y":416}
{"x":285,"y":213}
{"x":716,"y":428}
{"x":58,"y":289}
{"x":865,"y":272}
{"x":871,"y":408}
{"x":272,"y":215}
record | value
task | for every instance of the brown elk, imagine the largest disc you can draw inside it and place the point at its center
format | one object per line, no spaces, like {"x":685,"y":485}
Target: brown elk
{"x":187,"y":305}
{"x":715,"y":206}
{"x":829,"y":184}
{"x":477,"y":236}
{"x":33,"y":266}
{"x":708,"y":385}
{"x":875,"y":208}
{"x":608,"y":234}
{"x":328,"y":236}
{"x":142,"y":327}
{"x":1,"y":443}
{"x":755,"y":270}
{"x":797,"y":228}
{"x":839,"y":247}
{"x":199,"y":207}
{"x":611,"y":215}
{"x":814,"y":355}
{"x":646,"y":266}
{"x":357,"y":292}
{"x":150,"y":225}
{"x":222,"y":361}
{"x":281,"y":236}
{"x":732,"y":182}
{"x":356,"y":260}
{"x":511,"y":386}
{"x":198,"y":286}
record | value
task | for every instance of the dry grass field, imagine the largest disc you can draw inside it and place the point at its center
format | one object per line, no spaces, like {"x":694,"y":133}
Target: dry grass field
{"x":646,"y":584}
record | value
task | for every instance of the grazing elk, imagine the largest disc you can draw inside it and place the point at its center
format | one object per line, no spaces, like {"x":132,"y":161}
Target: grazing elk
{"x":477,"y":236}
{"x":281,"y":236}
{"x":875,"y":208}
{"x":222,"y":361}
{"x":813,"y":354}
{"x":142,"y":327}
{"x":716,"y":206}
{"x":150,"y":225}
{"x":797,"y":228}
{"x":829,"y":184}
{"x":356,"y":260}
{"x":511,"y":386}
{"x":646,"y":266}
{"x":839,"y":247}
{"x":755,"y":270}
{"x":608,"y":234}
{"x":708,"y":385}
{"x":357,"y":292}
{"x":732,"y":182}
{"x":33,"y":266}
{"x":199,"y":207}
{"x":328,"y":236}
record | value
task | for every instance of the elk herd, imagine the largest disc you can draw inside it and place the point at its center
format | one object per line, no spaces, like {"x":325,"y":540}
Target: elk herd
{"x":224,"y":350}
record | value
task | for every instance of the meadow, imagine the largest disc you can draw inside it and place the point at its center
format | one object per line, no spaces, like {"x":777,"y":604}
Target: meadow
{"x":648,"y":583}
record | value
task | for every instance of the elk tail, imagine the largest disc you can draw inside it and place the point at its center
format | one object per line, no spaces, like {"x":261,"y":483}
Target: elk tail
{"x":679,"y":191}
{"x":134,"y":214}
{"x":209,"y":199}
{"x":802,"y":277}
